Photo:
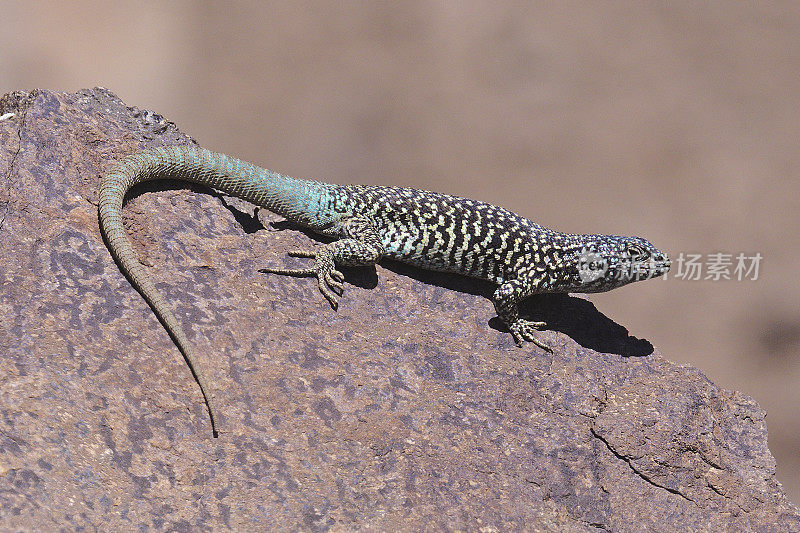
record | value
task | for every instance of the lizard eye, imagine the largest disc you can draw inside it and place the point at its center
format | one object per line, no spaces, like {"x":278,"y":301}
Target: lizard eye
{"x":636,"y":251}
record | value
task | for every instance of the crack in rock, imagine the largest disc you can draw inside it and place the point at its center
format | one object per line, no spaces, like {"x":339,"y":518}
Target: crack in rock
{"x":7,"y":179}
{"x":636,"y":471}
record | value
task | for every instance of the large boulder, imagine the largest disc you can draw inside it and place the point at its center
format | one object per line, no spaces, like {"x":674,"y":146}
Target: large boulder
{"x":408,"y":408}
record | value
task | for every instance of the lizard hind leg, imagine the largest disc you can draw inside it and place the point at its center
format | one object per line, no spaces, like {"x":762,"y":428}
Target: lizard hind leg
{"x":330,"y":280}
{"x":359,"y":245}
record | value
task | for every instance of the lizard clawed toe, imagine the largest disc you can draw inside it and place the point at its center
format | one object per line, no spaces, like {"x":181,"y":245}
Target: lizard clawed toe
{"x":302,"y":253}
{"x":334,"y":279}
{"x":329,"y":284}
{"x":328,"y":294}
{"x":296,"y":272}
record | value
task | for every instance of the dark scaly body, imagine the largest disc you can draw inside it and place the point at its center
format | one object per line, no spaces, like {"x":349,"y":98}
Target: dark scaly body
{"x":425,"y":229}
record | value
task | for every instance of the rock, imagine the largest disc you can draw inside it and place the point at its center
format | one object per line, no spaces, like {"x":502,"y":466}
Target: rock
{"x":406,"y":409}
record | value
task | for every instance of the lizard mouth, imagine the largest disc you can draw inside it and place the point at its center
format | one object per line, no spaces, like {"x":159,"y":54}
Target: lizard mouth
{"x":638,"y":270}
{"x":652,"y":267}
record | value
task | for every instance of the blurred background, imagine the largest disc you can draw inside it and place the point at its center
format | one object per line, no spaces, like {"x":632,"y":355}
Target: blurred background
{"x":675,"y":121}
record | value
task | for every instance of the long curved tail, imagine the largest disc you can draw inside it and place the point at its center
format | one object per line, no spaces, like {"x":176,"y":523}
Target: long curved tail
{"x":294,"y":199}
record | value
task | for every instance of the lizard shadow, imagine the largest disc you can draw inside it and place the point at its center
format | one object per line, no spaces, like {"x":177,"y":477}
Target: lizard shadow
{"x":574,"y":316}
{"x":249,"y":222}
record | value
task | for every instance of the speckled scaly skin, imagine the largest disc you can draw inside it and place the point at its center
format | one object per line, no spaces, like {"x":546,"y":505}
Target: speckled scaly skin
{"x":425,"y":229}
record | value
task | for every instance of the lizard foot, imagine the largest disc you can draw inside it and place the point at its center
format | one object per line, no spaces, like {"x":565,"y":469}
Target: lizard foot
{"x":523,"y":330}
{"x":330,"y":280}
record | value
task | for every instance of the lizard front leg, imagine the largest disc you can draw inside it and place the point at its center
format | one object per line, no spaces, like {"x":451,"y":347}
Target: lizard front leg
{"x":359,"y":245}
{"x":506,"y":302}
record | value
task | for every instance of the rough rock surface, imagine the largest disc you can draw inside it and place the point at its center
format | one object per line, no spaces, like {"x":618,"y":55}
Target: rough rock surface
{"x":406,"y":409}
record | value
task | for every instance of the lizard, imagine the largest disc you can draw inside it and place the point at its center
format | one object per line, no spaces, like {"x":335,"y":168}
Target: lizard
{"x":425,"y":229}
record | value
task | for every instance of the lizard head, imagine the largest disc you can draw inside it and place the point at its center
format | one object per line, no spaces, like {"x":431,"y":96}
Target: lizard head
{"x":599,"y":263}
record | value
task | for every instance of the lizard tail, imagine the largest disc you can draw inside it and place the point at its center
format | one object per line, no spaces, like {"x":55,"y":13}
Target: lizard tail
{"x":281,"y":194}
